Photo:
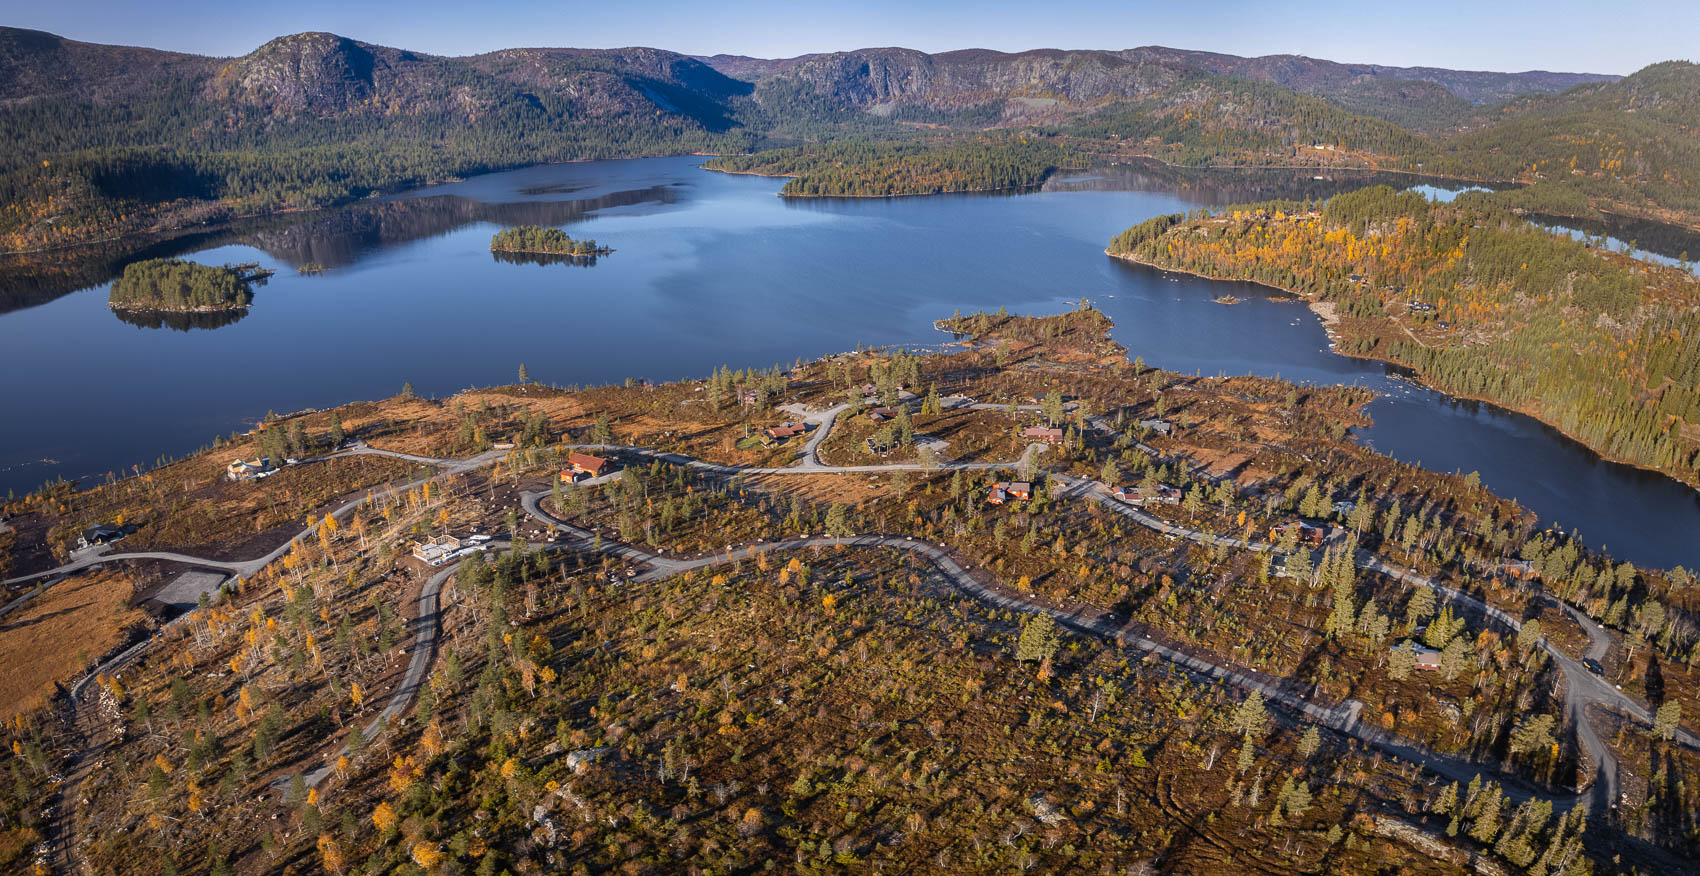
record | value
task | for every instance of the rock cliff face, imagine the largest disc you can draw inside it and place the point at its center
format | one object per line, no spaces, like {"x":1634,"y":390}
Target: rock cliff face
{"x":322,"y":73}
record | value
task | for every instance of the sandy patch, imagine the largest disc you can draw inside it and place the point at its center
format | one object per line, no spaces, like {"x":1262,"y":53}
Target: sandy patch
{"x":52,"y":637}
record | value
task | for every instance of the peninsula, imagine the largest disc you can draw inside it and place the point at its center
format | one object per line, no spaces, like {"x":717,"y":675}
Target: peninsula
{"x":529,"y":628}
{"x":1479,"y":301}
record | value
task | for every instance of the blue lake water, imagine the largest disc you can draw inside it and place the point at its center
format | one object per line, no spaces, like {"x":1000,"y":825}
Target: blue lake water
{"x":712,"y":269}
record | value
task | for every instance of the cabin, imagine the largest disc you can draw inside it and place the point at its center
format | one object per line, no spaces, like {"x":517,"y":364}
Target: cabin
{"x":1161,"y":427}
{"x":880,"y":415}
{"x":1518,"y":569}
{"x":875,"y":446}
{"x":782,"y":433}
{"x":1003,"y":491}
{"x":1417,"y":305}
{"x":1345,"y":507}
{"x":585,"y":463}
{"x":1306,"y":531}
{"x":1428,"y":659}
{"x":249,"y":469}
{"x":1166,"y":494}
{"x":437,"y":550}
{"x":1129,"y":495}
{"x":1047,"y":434}
{"x":104,"y":533}
{"x":750,"y":397}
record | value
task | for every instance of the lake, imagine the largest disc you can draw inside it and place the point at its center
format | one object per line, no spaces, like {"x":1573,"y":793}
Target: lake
{"x":713,"y":269}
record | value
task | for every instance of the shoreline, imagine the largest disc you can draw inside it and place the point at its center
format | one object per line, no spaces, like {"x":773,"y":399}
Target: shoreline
{"x":1319,"y":307}
{"x":143,"y":308}
{"x":783,"y":194}
{"x":570,"y":255}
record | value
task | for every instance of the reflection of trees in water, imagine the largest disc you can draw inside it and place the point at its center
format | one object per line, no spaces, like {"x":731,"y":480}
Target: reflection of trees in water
{"x":29,"y":279}
{"x":543,"y":258}
{"x":342,"y":237}
{"x":331,"y":238}
{"x":180,"y":320}
{"x":1669,"y":241}
{"x":1217,"y":186}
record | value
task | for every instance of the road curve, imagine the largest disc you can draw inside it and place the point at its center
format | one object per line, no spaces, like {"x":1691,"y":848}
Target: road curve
{"x":1341,"y":718}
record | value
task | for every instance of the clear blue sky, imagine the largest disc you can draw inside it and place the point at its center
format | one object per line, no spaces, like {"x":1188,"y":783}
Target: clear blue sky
{"x":1610,"y":37}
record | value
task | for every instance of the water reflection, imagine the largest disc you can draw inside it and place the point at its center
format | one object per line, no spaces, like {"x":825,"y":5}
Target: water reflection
{"x":328,"y":238}
{"x":180,"y":320}
{"x":543,"y":259}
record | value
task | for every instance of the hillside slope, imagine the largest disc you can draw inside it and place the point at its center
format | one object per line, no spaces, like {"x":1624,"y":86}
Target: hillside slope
{"x":109,"y":140}
{"x":1631,"y":146}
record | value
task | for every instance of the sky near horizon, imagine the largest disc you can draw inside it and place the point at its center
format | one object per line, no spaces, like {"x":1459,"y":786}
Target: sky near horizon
{"x":1504,"y":35}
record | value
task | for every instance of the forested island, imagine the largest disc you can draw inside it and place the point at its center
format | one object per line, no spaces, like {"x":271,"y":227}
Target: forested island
{"x":535,"y":240}
{"x":175,"y":285}
{"x":879,"y":170}
{"x":1479,"y":301}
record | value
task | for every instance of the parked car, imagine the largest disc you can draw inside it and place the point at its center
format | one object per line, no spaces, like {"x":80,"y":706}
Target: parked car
{"x":1593,"y":666}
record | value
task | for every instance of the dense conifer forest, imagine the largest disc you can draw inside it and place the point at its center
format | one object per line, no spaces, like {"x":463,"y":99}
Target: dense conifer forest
{"x":862,"y":169}
{"x":178,"y":285}
{"x":533,"y":239}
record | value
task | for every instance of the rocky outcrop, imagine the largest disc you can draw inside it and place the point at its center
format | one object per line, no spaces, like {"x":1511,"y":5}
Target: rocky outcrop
{"x":325,"y":74}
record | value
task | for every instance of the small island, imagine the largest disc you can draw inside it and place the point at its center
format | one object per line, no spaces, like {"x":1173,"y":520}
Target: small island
{"x":535,"y":240}
{"x":176,"y":286}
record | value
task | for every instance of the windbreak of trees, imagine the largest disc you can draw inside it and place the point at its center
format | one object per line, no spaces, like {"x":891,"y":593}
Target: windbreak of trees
{"x":859,"y":169}
{"x":175,"y":284}
{"x":1483,"y":303}
{"x":531,"y":238}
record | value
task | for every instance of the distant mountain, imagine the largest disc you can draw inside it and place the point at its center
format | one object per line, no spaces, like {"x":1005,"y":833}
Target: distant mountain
{"x":110,"y":139}
{"x":326,"y":75}
{"x":1328,"y":77}
{"x":1426,"y":98}
{"x":114,"y":140}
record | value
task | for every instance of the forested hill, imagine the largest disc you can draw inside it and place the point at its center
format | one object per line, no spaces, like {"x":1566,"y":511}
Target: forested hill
{"x":1631,"y":146}
{"x":105,"y":140}
{"x":1051,"y":83}
{"x":1478,"y":301}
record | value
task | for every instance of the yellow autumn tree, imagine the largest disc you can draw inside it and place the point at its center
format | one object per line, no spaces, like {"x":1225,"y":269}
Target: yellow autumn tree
{"x":384,"y":817}
{"x":427,"y":854}
{"x":330,"y":855}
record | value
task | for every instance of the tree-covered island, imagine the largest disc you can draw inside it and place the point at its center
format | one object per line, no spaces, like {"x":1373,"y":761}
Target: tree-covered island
{"x":547,"y":241}
{"x":175,"y":285}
